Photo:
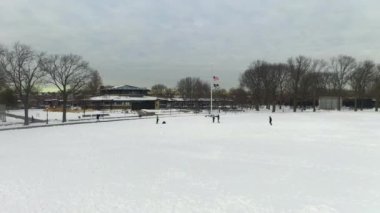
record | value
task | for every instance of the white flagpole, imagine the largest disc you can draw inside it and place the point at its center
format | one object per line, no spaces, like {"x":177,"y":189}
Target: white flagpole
{"x":211,"y":96}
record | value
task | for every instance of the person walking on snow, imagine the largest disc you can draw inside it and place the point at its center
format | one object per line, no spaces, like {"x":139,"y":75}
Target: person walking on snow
{"x":270,"y":120}
{"x":213,"y":118}
{"x":157,"y":119}
{"x":218,"y":117}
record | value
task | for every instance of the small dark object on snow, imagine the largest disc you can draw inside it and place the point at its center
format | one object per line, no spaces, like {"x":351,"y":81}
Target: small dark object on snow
{"x":270,"y":120}
{"x":97,"y":117}
{"x":163,"y":122}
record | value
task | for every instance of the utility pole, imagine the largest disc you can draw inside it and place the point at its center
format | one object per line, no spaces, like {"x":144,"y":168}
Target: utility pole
{"x":214,"y":83}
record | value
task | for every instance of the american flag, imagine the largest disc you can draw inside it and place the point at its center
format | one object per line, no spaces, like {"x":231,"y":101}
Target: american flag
{"x":215,"y":78}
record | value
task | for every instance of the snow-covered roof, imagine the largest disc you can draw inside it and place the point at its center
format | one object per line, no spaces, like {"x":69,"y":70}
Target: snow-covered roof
{"x":176,"y":99}
{"x":122,"y":98}
{"x":126,"y":87}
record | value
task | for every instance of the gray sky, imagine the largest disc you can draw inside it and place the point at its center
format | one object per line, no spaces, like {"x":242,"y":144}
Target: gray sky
{"x":143,"y":42}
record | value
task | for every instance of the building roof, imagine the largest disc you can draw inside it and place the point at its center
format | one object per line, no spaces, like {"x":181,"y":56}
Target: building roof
{"x":122,"y":98}
{"x":126,"y":87}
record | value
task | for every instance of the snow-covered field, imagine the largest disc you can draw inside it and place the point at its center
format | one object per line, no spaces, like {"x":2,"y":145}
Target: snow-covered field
{"x":56,"y":117}
{"x":305,"y":162}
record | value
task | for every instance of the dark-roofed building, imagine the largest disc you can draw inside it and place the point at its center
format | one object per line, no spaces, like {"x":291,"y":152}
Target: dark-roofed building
{"x":125,"y":90}
{"x":122,"y":102}
{"x":122,"y":97}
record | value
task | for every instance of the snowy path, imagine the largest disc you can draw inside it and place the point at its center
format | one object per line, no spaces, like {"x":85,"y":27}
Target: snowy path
{"x":306,"y":162}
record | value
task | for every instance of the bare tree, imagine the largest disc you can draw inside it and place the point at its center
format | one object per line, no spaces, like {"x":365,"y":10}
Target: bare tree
{"x":2,"y":72}
{"x":239,"y":96}
{"x":316,"y":79}
{"x":2,"y":79}
{"x":7,"y":95}
{"x":277,"y":74}
{"x":158,"y":90}
{"x":22,"y":68}
{"x":185,"y":88}
{"x":283,"y":86}
{"x":298,"y":67}
{"x":252,"y":80}
{"x":375,"y":89}
{"x":201,"y":89}
{"x":265,"y":81}
{"x":328,"y":82}
{"x":267,"y":75}
{"x":305,"y":90}
{"x":69,"y":73}
{"x":94,"y":84}
{"x":170,"y":93}
{"x":220,"y":94}
{"x":360,"y":80}
{"x":342,"y":67}
{"x":193,"y":88}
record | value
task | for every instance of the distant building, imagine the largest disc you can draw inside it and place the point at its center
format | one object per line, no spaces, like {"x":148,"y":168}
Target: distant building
{"x":125,"y":90}
{"x":365,"y":103}
{"x":122,"y":97}
{"x":121,"y":102}
{"x":329,"y":102}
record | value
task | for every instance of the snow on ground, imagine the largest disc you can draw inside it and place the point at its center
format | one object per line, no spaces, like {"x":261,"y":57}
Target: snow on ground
{"x":10,"y":121}
{"x":56,"y":117}
{"x":41,"y":114}
{"x":305,"y":162}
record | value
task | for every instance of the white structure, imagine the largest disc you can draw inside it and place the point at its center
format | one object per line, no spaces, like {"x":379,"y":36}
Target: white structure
{"x":329,"y":102}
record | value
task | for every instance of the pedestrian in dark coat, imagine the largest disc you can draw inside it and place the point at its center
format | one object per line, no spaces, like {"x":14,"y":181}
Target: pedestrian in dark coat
{"x":218,"y":117}
{"x":270,"y":120}
{"x":213,"y":119}
{"x":157,"y":119}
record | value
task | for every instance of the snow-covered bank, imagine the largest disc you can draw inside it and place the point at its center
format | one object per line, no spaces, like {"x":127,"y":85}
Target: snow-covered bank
{"x":40,"y":116}
{"x":305,"y":162}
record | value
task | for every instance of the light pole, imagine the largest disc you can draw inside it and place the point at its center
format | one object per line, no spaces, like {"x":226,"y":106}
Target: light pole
{"x":211,"y":98}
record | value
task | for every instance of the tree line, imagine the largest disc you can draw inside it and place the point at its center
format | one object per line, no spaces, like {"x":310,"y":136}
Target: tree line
{"x":23,"y":69}
{"x":194,"y":89}
{"x":299,"y":81}
{"x":303,"y":78}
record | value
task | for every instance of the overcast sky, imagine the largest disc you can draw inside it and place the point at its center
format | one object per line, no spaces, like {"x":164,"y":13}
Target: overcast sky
{"x":143,"y":42}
